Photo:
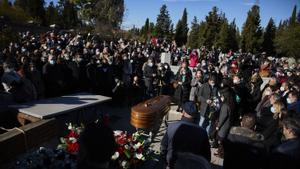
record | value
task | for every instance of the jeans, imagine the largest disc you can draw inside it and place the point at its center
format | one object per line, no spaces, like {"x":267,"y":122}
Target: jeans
{"x":205,"y":123}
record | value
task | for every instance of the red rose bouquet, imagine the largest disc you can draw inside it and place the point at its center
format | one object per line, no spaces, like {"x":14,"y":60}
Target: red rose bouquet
{"x":70,"y":142}
{"x":133,"y":149}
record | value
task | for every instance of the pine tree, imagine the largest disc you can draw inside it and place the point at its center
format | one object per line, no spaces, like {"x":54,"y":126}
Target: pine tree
{"x":201,"y":35}
{"x":152,"y":28}
{"x":163,"y":23}
{"x":194,"y":33}
{"x":293,"y":18}
{"x":233,"y":36}
{"x":68,"y":13}
{"x":298,"y":17}
{"x":35,"y":8}
{"x":212,"y":28}
{"x":145,"y":30}
{"x":21,"y":4}
{"x":251,"y":34}
{"x":287,"y":41}
{"x":52,"y":14}
{"x":182,"y":30}
{"x":223,"y":40}
{"x":268,"y":38}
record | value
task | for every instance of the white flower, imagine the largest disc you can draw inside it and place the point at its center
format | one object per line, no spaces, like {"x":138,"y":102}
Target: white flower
{"x":139,"y":156}
{"x":115,"y":156}
{"x":73,"y":139}
{"x":137,"y":146}
{"x":124,"y":164}
{"x":126,"y":147}
{"x":70,"y":127}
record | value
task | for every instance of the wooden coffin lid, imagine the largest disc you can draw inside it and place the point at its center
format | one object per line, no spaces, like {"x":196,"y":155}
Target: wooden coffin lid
{"x":144,"y":114}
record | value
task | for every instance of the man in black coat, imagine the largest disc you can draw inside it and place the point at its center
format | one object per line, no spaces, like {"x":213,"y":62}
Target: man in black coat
{"x":243,"y":147}
{"x":287,"y":155}
{"x":185,"y":136}
{"x":208,"y":92}
{"x":150,"y":74}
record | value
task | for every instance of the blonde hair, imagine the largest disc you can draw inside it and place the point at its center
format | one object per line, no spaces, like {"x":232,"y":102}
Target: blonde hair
{"x":279,"y":107}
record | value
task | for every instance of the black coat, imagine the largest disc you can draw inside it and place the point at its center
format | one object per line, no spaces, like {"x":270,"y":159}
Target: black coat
{"x":184,"y":136}
{"x":182,"y":92}
{"x":224,"y":123}
{"x":244,"y":149}
{"x":286,"y":155}
{"x":205,"y":93}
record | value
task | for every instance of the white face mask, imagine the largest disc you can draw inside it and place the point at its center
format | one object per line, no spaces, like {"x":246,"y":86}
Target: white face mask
{"x":236,"y":81}
{"x":288,"y":100}
{"x":52,"y":62}
{"x":150,"y":64}
{"x":166,"y":67}
{"x":273,"y":110}
{"x":282,"y":88}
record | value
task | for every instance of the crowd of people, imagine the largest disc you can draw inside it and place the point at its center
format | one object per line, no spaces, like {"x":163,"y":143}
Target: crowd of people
{"x":234,"y":106}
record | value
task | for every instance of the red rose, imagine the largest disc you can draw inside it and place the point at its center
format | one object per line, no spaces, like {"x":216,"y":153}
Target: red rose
{"x":120,"y":150}
{"x":120,"y":140}
{"x":73,"y":147}
{"x":72,"y":134}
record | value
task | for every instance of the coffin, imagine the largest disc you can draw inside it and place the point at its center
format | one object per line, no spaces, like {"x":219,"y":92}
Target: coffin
{"x":147,"y":114}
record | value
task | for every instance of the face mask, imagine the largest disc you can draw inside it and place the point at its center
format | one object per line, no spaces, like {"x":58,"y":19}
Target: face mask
{"x":235,"y":81}
{"x":212,"y":84}
{"x":282,"y":88}
{"x":288,"y":100}
{"x":273,"y":110}
{"x":166,"y":67}
{"x":150,"y":64}
{"x":52,"y":62}
{"x":124,"y":58}
{"x":160,"y":68}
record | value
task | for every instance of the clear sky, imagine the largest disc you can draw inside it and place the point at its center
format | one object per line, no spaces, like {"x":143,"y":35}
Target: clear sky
{"x":138,"y":10}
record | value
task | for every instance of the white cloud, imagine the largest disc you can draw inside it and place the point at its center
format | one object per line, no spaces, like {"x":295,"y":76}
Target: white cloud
{"x":248,"y":3}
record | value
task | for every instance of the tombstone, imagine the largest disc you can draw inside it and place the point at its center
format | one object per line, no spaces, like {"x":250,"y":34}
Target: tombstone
{"x":165,"y":58}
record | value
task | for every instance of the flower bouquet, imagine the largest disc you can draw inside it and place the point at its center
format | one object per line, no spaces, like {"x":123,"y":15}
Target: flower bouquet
{"x":133,"y":149}
{"x":70,"y":142}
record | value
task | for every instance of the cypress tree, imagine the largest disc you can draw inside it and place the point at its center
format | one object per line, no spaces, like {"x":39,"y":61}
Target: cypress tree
{"x":251,"y":34}
{"x":194,"y":33}
{"x":268,"y":38}
{"x":163,"y":22}
{"x":182,"y":29}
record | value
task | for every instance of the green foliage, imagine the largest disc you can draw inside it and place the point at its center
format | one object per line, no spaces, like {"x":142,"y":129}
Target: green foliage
{"x":223,"y":40}
{"x":7,"y":36}
{"x":194,"y":33}
{"x":287,"y":41}
{"x":145,"y":31}
{"x":14,"y":14}
{"x":35,"y":8}
{"x":68,"y":12}
{"x":268,"y":38}
{"x":214,"y":22}
{"x":182,"y":30}
{"x":163,"y":23}
{"x":252,"y":32}
{"x":293,"y":18}
{"x":52,"y":14}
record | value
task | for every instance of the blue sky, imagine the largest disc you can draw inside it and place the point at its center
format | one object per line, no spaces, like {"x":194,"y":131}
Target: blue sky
{"x":138,"y":10}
